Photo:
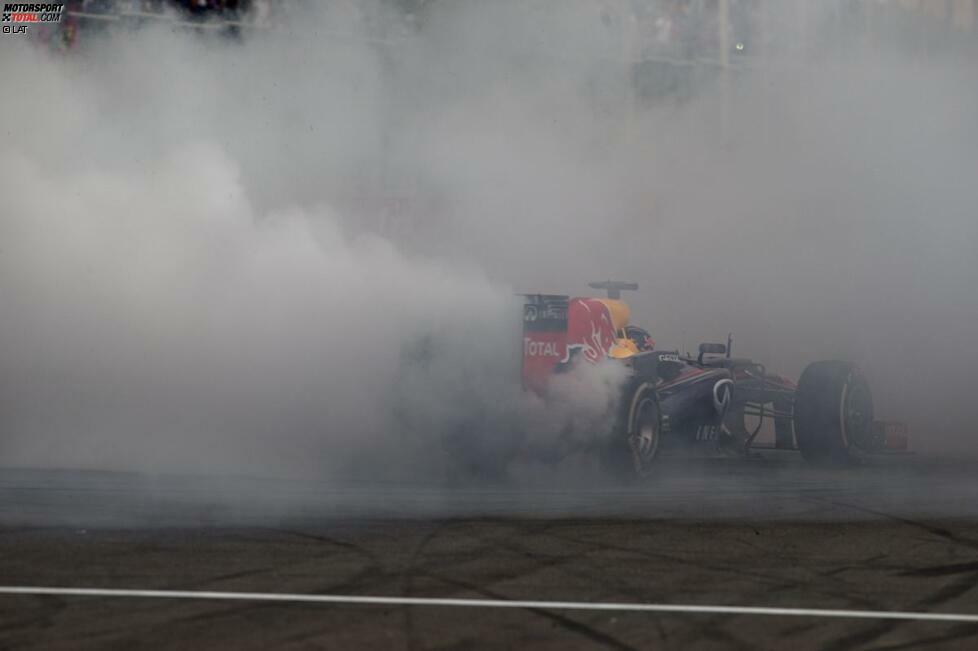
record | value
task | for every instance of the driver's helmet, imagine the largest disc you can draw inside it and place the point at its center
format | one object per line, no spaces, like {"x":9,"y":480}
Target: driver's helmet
{"x":642,"y":339}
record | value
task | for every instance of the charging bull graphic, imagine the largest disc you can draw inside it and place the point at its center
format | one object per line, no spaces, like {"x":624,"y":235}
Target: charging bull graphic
{"x":589,"y":329}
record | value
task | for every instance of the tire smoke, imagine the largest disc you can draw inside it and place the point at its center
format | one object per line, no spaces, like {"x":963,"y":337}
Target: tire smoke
{"x":297,"y":253}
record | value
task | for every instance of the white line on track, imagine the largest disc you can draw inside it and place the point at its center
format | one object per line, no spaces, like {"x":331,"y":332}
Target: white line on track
{"x":484,"y":603}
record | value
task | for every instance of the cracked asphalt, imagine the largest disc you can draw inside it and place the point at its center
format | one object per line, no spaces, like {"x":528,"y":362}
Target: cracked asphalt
{"x":901,"y":535}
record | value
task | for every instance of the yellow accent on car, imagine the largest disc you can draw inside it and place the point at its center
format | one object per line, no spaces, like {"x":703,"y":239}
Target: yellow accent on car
{"x":619,"y":310}
{"x":623,"y":348}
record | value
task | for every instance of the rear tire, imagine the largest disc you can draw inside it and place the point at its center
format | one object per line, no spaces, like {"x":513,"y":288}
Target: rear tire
{"x":833,"y":413}
{"x":637,"y":439}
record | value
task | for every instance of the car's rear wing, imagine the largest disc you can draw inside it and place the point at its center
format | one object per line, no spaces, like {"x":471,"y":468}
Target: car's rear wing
{"x":558,"y":329}
{"x":544,"y":338}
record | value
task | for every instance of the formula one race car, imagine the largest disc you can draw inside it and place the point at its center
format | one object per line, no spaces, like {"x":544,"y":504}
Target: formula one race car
{"x":710,"y":398}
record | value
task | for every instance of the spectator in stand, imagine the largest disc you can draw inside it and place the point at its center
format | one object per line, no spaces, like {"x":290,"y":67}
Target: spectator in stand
{"x":197,"y":9}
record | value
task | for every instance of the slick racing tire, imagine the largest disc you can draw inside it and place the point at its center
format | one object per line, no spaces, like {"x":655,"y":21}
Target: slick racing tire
{"x":833,"y":414}
{"x":635,"y":442}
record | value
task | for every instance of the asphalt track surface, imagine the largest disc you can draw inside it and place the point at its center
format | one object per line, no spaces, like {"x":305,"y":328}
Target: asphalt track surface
{"x":895,"y":535}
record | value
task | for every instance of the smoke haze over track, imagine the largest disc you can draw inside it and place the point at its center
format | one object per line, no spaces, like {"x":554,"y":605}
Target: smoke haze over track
{"x":215,"y":258}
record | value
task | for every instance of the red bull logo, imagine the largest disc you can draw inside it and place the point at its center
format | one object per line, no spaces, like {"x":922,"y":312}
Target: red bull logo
{"x":589,"y":329}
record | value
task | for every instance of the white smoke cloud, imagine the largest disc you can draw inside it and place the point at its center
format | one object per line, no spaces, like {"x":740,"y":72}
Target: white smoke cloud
{"x":230,"y":256}
{"x":154,"y":318}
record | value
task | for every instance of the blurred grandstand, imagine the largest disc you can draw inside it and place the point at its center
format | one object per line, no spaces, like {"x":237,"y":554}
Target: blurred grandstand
{"x":652,"y":52}
{"x":654,"y":33}
{"x":86,"y":18}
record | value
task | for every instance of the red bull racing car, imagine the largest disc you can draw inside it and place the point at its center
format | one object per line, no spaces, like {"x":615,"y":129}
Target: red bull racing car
{"x":711,"y":398}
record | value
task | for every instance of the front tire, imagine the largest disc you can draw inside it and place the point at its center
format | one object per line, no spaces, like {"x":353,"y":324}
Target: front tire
{"x":833,"y":414}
